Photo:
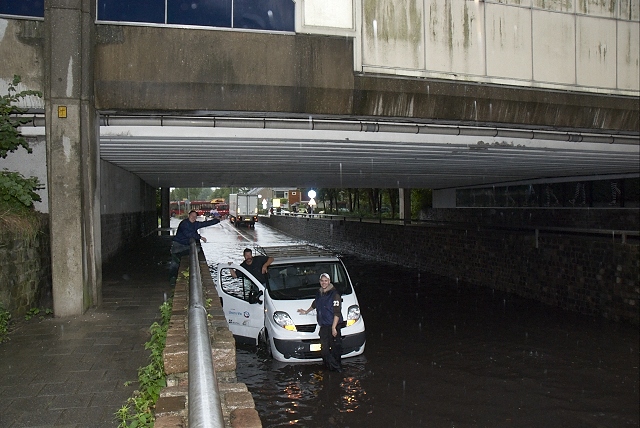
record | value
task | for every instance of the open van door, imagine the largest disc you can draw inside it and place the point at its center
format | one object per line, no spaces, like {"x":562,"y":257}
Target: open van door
{"x":242,"y":301}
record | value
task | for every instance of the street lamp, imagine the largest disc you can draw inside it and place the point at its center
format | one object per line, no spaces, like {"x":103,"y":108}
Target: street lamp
{"x":312,"y":202}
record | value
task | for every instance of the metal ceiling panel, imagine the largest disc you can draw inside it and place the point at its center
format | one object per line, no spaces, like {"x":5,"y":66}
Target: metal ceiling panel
{"x":270,"y":153}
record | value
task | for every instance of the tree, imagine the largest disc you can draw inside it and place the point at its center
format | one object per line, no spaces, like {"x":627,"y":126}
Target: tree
{"x":191,"y":193}
{"x":16,"y":191}
{"x":394,"y":196}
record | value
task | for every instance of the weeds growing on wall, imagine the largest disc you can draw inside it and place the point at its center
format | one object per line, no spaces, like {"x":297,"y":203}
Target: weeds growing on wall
{"x":5,"y":317}
{"x":138,"y":410}
{"x":38,"y":312}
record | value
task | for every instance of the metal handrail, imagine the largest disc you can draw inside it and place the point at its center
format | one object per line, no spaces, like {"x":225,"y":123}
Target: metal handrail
{"x":205,"y":408}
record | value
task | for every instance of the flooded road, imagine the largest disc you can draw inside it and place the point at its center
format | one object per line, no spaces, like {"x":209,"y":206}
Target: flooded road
{"x":442,"y":353}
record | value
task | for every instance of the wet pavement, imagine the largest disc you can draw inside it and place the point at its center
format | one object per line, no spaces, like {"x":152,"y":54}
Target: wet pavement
{"x":446,"y":354}
{"x":71,"y":372}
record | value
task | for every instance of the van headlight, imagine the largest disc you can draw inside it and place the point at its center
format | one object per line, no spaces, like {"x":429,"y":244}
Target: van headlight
{"x":284,"y":320}
{"x":353,"y":315}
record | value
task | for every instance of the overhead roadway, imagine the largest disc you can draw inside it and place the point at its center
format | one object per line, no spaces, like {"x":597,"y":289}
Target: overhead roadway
{"x":210,"y":151}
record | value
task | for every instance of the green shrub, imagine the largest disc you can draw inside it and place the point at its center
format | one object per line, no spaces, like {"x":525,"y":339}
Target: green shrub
{"x":16,"y":191}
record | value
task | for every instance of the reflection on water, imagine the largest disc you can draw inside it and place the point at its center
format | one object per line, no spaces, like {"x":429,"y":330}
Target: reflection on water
{"x":353,"y":394}
{"x":302,"y":394}
{"x":441,"y":353}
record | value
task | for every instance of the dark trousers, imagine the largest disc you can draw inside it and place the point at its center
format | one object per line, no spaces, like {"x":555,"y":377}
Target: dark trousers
{"x":177,"y":252}
{"x":331,"y":348}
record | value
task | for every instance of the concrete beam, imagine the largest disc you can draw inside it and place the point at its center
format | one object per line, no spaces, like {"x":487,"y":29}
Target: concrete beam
{"x":405,"y":204}
{"x":165,"y":219}
{"x":166,"y":70}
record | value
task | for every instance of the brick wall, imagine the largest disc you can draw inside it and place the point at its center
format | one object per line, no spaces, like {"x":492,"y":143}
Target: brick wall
{"x":25,"y":269}
{"x":586,"y":274}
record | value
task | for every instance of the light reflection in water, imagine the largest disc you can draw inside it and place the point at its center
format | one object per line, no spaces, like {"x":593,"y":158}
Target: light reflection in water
{"x":353,"y":394}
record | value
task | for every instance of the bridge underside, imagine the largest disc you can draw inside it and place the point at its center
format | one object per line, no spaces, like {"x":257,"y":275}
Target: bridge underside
{"x":288,"y":110}
{"x":327,"y":153}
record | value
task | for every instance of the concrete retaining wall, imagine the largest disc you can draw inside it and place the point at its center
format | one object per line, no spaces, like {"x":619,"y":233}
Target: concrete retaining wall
{"x":25,"y":269}
{"x":118,"y":230}
{"x":586,"y":274}
{"x":128,"y":208}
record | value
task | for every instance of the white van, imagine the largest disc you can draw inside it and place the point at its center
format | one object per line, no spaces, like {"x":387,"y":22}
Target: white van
{"x":269,"y":315}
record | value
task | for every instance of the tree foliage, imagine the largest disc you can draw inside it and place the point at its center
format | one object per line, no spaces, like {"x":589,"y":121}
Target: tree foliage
{"x":16,"y":191}
{"x":372,"y":202}
{"x":10,"y":137}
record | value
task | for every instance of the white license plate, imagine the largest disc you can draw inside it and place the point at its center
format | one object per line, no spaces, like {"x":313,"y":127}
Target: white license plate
{"x":314,"y":347}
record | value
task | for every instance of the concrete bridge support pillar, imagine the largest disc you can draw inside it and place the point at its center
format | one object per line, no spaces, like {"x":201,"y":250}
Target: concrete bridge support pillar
{"x":405,"y":205}
{"x":72,"y":134}
{"x":165,"y":218}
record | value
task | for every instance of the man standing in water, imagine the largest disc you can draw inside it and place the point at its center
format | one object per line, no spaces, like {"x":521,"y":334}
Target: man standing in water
{"x":328,"y":305}
{"x":187,"y":229}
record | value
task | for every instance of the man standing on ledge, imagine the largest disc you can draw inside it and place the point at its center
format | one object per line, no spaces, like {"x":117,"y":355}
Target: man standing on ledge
{"x":187,"y":229}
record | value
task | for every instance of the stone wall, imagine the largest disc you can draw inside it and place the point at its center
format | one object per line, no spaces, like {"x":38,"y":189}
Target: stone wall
{"x":589,"y":274}
{"x":25,"y":269}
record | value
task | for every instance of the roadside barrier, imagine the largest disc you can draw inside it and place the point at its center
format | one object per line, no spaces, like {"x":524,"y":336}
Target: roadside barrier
{"x":204,"y":398}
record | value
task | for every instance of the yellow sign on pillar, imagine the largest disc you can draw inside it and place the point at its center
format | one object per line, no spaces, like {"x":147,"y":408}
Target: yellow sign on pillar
{"x":62,"y":112}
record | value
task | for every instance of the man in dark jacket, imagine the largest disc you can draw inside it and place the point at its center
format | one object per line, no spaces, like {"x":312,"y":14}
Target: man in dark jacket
{"x":187,"y":229}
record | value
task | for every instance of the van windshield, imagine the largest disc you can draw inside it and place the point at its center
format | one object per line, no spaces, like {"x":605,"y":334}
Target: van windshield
{"x":298,"y":281}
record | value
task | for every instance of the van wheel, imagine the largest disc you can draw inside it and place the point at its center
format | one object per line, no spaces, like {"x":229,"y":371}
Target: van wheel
{"x":264,"y":345}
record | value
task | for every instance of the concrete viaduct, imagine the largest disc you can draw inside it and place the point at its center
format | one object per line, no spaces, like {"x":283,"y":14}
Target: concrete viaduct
{"x":364,"y":93}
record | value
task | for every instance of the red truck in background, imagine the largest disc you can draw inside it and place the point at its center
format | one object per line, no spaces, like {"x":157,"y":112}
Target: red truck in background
{"x":203,"y":208}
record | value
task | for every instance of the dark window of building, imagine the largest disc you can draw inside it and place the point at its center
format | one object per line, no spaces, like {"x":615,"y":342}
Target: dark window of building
{"x":270,"y":15}
{"x":151,"y":11}
{"x":274,"y":15}
{"x":26,"y":8}
{"x":209,"y":13}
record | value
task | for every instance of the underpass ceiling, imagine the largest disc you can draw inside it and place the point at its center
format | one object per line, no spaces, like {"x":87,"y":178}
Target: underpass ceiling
{"x":290,"y":154}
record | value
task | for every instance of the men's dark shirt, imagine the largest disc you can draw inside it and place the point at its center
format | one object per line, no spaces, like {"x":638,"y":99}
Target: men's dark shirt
{"x":188,"y":230}
{"x":255,"y":268}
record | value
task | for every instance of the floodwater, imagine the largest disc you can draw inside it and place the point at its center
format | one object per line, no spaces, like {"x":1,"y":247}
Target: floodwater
{"x":442,"y":353}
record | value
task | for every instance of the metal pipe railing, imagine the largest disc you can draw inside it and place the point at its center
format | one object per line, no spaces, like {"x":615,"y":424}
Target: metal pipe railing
{"x":205,"y":408}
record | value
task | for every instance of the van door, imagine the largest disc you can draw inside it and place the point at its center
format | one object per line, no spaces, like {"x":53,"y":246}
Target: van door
{"x":242,"y":301}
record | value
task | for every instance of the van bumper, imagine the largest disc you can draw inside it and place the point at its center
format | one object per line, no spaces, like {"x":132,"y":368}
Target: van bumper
{"x":352,"y":345}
